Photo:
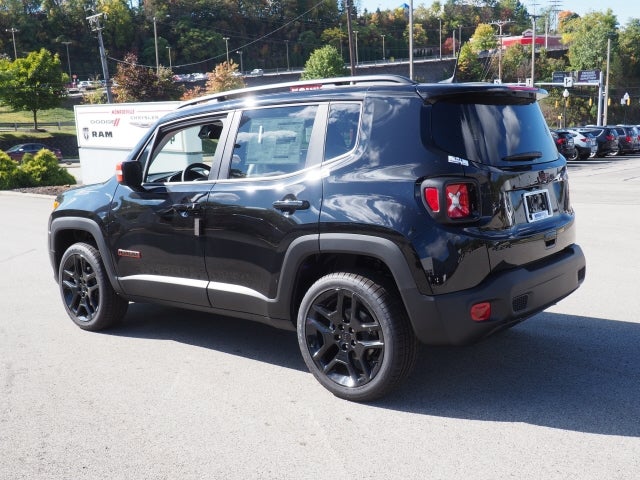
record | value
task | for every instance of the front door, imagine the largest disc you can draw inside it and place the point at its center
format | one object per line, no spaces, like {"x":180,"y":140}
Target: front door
{"x":159,"y":245}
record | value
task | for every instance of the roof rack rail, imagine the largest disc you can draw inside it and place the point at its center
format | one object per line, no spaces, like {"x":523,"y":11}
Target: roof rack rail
{"x":291,"y":86}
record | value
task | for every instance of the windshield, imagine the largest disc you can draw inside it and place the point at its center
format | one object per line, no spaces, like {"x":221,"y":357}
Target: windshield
{"x":492,"y":133}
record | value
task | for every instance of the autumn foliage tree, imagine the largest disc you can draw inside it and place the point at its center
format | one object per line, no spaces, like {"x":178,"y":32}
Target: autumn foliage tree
{"x":224,"y":77}
{"x":137,"y":83}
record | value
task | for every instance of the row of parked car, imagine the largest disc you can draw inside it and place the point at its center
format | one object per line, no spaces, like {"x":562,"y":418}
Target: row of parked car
{"x":580,"y":143}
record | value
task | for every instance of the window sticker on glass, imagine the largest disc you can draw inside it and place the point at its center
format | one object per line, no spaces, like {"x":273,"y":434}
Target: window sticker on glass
{"x":458,"y":160}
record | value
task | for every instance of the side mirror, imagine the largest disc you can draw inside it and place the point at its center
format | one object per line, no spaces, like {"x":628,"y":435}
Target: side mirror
{"x":129,"y":174}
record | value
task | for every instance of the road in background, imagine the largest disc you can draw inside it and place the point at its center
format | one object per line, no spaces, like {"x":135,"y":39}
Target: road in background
{"x":182,"y":395}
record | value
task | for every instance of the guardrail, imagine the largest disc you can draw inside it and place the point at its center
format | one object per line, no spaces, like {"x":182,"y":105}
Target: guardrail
{"x":15,"y":126}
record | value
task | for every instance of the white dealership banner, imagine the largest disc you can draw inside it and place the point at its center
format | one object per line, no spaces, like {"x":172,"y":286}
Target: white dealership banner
{"x":107,"y":133}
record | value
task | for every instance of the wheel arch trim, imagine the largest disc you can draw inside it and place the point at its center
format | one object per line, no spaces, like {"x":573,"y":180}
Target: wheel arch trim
{"x":89,"y":226}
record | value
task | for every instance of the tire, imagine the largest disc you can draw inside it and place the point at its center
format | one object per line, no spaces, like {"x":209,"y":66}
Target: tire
{"x":575,"y":155}
{"x":355,"y":337}
{"x":87,"y":294}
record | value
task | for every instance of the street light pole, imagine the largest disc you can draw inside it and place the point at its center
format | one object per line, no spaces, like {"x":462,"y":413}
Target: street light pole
{"x":440,"y":38}
{"x":13,"y":39}
{"x":66,"y":44}
{"x":500,"y":24}
{"x":239,"y":52}
{"x":383,"y":55}
{"x":606,"y":86}
{"x":169,"y":48}
{"x":286,"y":42}
{"x":226,"y":41}
{"x":155,"y":38}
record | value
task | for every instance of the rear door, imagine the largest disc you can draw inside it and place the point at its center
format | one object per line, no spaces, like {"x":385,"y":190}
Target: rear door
{"x":501,"y":139}
{"x":267,"y":197}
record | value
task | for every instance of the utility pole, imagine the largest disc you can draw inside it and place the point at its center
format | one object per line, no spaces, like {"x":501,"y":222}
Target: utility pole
{"x":350,"y":34}
{"x":94,"y":23}
{"x":411,"y":39}
{"x":500,"y":24}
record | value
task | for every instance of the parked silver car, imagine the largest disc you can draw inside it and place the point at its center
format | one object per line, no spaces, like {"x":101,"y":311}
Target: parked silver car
{"x":584,"y":142}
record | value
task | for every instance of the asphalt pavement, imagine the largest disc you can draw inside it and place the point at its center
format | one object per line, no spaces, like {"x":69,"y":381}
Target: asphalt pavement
{"x":183,"y":395}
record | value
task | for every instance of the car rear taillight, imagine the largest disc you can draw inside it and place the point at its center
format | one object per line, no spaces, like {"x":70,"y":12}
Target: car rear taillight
{"x":432,"y":197}
{"x":628,"y":138}
{"x":458,"y":204}
{"x":609,"y":138}
{"x":450,"y":200}
{"x":561,"y":141}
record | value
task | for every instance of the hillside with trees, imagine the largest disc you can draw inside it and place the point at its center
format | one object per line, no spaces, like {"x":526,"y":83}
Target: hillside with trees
{"x":187,"y":36}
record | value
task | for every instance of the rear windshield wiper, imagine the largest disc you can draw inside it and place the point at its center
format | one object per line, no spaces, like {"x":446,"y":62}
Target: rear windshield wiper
{"x":522,"y":157}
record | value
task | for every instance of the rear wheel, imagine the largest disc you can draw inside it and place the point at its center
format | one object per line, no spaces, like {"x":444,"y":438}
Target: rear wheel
{"x":87,"y":294}
{"x":355,"y":336}
{"x":574,"y":155}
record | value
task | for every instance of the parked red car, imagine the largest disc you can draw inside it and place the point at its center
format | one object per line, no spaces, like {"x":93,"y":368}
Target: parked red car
{"x":17,"y":151}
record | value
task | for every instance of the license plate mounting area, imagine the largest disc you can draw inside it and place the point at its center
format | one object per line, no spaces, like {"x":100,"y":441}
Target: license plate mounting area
{"x":537,"y":205}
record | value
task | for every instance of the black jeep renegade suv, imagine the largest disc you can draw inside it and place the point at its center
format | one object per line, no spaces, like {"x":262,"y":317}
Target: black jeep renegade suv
{"x":368,"y":213}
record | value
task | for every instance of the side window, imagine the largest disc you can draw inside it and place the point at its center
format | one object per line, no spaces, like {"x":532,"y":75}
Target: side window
{"x":186,"y":153}
{"x":342,"y":129}
{"x":272,"y":141}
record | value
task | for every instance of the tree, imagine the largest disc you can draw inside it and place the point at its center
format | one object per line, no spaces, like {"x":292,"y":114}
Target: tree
{"x":419,"y":35}
{"x":324,"y":62}
{"x":469,"y":67}
{"x":137,"y":83}
{"x":484,"y":38}
{"x":33,"y":83}
{"x":224,"y":78}
{"x":587,"y":38}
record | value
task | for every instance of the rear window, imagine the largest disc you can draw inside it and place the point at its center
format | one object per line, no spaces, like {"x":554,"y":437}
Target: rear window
{"x":492,"y":133}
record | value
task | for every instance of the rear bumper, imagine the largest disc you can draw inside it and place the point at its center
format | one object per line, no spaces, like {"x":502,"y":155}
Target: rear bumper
{"x":514,"y":296}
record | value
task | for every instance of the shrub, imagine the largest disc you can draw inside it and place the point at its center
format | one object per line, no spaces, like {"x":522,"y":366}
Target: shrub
{"x":39,"y":170}
{"x":43,"y":169}
{"x":8,"y":169}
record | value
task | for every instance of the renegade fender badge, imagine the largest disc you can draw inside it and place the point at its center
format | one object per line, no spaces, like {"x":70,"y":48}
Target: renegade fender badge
{"x":128,"y":253}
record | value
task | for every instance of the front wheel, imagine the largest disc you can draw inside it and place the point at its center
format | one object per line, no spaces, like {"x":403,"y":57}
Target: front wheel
{"x":87,"y":294}
{"x":355,"y":336}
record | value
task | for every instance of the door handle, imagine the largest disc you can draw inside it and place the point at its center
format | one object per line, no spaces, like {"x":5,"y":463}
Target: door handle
{"x":290,"y":205}
{"x":187,"y":209}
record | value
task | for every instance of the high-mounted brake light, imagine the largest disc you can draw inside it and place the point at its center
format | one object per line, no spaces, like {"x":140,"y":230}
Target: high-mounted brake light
{"x":458,"y":205}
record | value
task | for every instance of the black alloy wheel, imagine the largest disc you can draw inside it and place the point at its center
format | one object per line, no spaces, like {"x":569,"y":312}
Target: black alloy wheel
{"x":88,"y":297}
{"x":355,"y":337}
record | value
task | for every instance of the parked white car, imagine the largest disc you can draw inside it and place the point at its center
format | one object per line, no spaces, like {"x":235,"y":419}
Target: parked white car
{"x":584,"y":142}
